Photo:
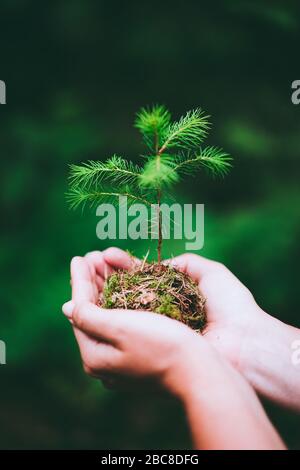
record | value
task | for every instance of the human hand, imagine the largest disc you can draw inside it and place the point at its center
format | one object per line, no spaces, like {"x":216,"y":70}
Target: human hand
{"x":256,"y":344}
{"x":117,"y":344}
{"x":233,"y":316}
{"x":136,"y":344}
{"x":232,"y":313}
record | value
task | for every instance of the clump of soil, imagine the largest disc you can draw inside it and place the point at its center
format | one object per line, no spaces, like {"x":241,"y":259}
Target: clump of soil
{"x":158,"y":288}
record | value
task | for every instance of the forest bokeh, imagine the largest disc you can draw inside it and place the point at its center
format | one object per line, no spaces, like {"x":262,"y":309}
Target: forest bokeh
{"x":76,"y":72}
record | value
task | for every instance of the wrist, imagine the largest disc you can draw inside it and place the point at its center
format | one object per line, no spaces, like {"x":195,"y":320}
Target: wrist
{"x":202,"y":376}
{"x":265,"y":359}
{"x":253,"y":338}
{"x":185,"y":369}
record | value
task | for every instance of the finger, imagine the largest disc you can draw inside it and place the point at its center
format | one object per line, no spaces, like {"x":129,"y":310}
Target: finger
{"x":83,"y":288}
{"x":194,"y":265}
{"x":119,"y":259}
{"x":86,"y":344}
{"x":98,"y":265}
{"x":95,"y":321}
{"x":92,"y":259}
{"x":97,"y":357}
{"x":74,"y":312}
{"x":68,"y":308}
{"x":99,"y":282}
{"x":104,"y":263}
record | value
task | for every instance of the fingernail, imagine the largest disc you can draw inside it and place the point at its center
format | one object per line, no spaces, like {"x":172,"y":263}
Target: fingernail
{"x":67,"y":308}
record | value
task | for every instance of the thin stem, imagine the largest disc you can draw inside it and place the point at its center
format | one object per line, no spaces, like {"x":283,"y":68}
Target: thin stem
{"x":159,"y":227}
{"x":156,"y":143}
{"x":161,"y":150}
{"x":158,"y":153}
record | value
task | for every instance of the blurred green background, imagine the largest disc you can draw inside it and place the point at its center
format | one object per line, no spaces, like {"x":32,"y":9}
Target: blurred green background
{"x":76,"y":72}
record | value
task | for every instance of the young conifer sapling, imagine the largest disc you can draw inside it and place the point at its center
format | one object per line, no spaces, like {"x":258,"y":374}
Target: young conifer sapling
{"x":174,"y":150}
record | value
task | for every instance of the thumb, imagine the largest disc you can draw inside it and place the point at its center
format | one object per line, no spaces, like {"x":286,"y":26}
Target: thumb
{"x":194,"y":265}
{"x":95,"y":321}
{"x":68,"y":308}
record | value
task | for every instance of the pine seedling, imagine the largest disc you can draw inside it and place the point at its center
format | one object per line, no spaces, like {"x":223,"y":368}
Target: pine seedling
{"x":174,"y":150}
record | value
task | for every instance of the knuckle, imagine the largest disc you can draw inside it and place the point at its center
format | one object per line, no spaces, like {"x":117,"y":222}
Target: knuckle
{"x":94,"y":258}
{"x":93,"y":253}
{"x":112,"y":249}
{"x":192,"y":257}
{"x":182,"y":261}
{"x":189,"y":256}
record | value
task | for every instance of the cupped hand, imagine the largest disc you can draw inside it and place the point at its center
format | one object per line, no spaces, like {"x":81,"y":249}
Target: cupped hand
{"x":233,"y":316}
{"x":116,"y":344}
{"x":256,"y":344}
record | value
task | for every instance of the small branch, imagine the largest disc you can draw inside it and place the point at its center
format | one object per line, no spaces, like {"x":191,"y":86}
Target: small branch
{"x":78,"y":196}
{"x":156,"y":142}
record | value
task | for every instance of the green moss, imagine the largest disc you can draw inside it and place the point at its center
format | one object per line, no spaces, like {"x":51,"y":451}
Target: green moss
{"x":167,"y":307}
{"x":157,"y":288}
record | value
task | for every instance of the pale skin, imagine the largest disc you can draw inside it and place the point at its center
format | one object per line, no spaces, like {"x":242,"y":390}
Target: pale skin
{"x":116,"y":344}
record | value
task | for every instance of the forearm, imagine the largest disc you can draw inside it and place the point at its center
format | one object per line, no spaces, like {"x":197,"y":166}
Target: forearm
{"x":223,"y":411}
{"x":267,"y":361}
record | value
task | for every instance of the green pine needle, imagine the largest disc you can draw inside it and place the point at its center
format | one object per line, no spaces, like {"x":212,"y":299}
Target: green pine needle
{"x":161,"y":170}
{"x":188,"y":132}
{"x":96,"y":182}
{"x":153,"y":123}
{"x":158,"y":172}
{"x":215,"y":160}
{"x":117,"y":170}
{"x":77,"y":196}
